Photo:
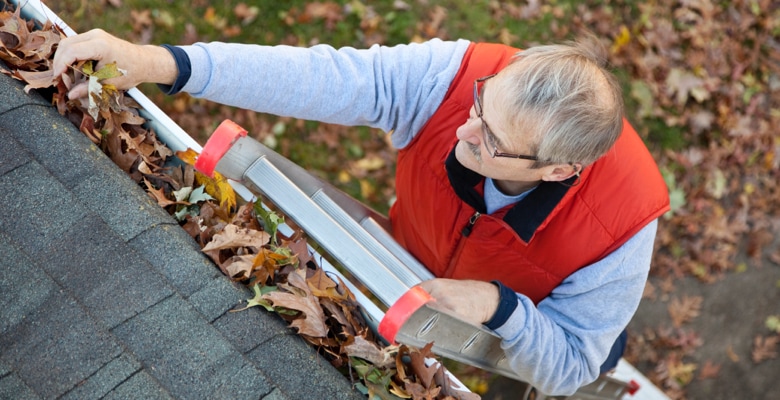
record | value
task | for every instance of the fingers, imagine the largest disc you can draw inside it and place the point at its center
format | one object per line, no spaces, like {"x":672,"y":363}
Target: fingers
{"x":77,"y":48}
{"x":79,"y":91}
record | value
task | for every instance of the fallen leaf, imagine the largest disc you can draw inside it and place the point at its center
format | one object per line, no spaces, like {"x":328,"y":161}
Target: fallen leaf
{"x":709,"y":370}
{"x":684,"y":309}
{"x":313,"y":321}
{"x":233,"y":236}
{"x":764,"y":348}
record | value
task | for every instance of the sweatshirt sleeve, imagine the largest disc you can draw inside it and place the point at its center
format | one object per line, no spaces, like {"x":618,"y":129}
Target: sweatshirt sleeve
{"x":391,"y":88}
{"x":559,"y":345}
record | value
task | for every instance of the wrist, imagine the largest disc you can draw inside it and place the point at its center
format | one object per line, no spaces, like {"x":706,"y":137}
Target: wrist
{"x":161,"y":68}
{"x":507,"y":303}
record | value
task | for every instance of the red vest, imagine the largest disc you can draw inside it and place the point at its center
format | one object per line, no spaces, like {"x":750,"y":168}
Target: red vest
{"x":530,"y":246}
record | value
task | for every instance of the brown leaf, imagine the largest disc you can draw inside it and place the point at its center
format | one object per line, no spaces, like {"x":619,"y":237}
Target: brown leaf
{"x":312,"y":322}
{"x":370,"y":352}
{"x":158,"y":195}
{"x":709,"y":370}
{"x":322,"y":286}
{"x":424,"y":372}
{"x":240,"y":267}
{"x":233,"y":236}
{"x":36,"y":79}
{"x":684,"y":309}
{"x":764,"y":348}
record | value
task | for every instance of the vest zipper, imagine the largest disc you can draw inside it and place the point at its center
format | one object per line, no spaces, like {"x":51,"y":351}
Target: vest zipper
{"x":466,"y":231}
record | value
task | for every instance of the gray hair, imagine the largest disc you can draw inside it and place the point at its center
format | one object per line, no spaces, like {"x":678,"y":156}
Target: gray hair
{"x":564,"y":96}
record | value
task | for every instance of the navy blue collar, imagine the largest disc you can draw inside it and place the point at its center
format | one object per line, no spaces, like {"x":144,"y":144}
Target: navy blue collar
{"x":525,"y":216}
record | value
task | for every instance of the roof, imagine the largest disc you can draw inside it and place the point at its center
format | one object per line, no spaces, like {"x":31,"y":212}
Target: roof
{"x":102,"y":294}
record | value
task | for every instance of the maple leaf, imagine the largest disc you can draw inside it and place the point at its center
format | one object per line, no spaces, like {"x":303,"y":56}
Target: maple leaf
{"x":684,"y":309}
{"x":233,"y":236}
{"x":764,"y":348}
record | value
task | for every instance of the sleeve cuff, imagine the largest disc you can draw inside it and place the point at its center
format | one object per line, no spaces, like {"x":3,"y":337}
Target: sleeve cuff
{"x":184,"y":67}
{"x":507,"y":304}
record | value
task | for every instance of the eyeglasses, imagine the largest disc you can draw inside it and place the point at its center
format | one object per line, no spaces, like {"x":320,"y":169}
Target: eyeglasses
{"x":488,"y":138}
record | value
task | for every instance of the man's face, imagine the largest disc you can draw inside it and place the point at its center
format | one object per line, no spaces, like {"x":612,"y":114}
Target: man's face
{"x":477,"y":143}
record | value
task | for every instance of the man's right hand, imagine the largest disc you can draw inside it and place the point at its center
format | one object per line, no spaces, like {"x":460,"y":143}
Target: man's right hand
{"x":140,"y":63}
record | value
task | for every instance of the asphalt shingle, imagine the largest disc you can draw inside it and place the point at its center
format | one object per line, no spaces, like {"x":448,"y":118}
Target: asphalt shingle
{"x":24,"y":285}
{"x":11,"y":387}
{"x":12,"y":94}
{"x":286,"y":361}
{"x":93,"y":263}
{"x":15,"y":154}
{"x":125,"y":207}
{"x":217,"y":297}
{"x":177,"y":257}
{"x":57,"y":346}
{"x":106,"y":379}
{"x":187,"y":355}
{"x":139,"y":386}
{"x":247,"y":329}
{"x":56,"y":143}
{"x":37,"y":209}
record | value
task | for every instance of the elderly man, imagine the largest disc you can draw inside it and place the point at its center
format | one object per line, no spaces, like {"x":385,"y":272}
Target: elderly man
{"x":519,"y":184}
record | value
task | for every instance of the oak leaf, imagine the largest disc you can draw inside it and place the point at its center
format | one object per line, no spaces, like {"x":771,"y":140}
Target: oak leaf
{"x":233,"y":236}
{"x":764,"y":348}
{"x":370,"y":352}
{"x":312,"y":322}
{"x":684,"y":309}
{"x":240,"y":267}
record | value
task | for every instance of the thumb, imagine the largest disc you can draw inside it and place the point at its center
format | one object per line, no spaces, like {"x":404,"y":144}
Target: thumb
{"x":79,"y":91}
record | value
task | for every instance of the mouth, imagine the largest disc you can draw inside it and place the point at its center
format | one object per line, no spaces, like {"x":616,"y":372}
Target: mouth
{"x":475,"y":150}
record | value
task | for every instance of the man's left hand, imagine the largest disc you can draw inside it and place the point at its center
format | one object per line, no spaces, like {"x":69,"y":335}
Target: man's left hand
{"x":474,"y":301}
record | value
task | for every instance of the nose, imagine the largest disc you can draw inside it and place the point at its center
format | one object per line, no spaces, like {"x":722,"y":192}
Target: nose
{"x":470,"y":131}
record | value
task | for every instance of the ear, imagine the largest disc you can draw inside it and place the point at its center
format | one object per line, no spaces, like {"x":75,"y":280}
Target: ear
{"x":561,"y":172}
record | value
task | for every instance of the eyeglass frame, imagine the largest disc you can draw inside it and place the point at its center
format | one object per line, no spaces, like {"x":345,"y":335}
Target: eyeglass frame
{"x":487,"y":134}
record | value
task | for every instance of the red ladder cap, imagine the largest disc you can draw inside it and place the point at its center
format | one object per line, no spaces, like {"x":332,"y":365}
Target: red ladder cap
{"x":401,"y":310}
{"x":632,"y":387}
{"x":226,"y":134}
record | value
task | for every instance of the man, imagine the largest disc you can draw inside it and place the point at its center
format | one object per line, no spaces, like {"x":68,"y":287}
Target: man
{"x":519,"y":184}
